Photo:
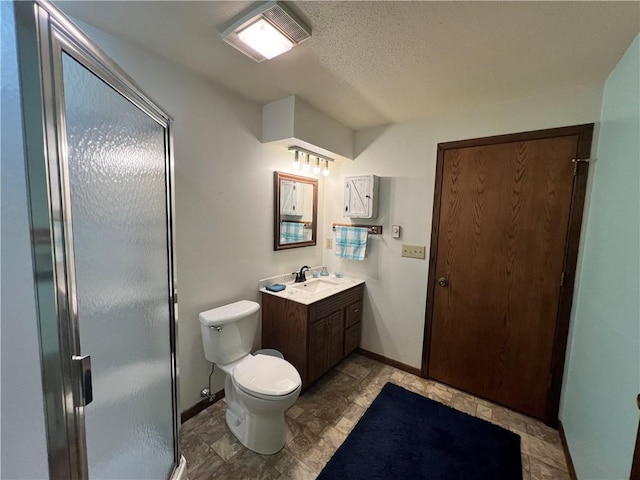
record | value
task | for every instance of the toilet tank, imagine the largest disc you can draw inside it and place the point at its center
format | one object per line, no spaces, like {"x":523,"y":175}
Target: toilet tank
{"x":228,"y":332}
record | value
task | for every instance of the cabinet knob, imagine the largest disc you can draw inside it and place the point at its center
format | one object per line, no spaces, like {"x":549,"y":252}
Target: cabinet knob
{"x":357,"y":310}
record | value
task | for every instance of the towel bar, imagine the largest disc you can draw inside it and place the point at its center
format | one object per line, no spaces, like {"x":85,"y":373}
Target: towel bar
{"x":372,"y":229}
{"x":307,"y":225}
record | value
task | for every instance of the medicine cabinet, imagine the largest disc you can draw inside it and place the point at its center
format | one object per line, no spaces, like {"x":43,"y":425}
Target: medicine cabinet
{"x":361,"y":196}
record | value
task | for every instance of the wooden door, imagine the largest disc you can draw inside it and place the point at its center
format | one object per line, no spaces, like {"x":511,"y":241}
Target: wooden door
{"x":506,"y":207}
{"x":635,"y":463}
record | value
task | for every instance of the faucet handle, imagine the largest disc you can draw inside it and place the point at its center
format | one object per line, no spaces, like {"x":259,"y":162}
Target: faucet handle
{"x":300,"y":276}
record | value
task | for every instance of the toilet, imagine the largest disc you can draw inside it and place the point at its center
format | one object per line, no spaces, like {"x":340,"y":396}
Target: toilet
{"x":258,"y":388}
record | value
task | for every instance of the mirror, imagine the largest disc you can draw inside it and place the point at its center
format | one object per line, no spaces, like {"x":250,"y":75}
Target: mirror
{"x":296,"y":211}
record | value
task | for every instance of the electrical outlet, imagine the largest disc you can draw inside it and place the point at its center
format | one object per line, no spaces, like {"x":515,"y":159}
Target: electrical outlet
{"x":328,"y":242}
{"x":413,"y":251}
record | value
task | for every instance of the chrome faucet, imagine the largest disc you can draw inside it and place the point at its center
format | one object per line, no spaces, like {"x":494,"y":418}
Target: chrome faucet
{"x":300,"y":276}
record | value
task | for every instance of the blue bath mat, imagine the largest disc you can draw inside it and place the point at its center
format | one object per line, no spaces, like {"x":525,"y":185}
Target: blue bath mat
{"x":406,"y":436}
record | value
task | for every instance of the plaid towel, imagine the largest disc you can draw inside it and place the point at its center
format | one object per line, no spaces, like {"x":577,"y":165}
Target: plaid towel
{"x":291,"y":232}
{"x":351,"y":242}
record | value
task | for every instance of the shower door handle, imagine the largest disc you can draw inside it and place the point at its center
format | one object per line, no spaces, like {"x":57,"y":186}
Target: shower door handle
{"x":84,"y":393}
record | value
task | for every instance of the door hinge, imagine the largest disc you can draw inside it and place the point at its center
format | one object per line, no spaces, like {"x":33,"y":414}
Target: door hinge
{"x":575,"y":162}
{"x":562,"y":279}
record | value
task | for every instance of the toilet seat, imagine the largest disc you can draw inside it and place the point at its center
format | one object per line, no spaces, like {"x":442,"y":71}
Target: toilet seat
{"x":266,"y":377}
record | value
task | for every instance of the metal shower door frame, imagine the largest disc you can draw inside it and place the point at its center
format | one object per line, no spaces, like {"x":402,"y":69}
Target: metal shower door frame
{"x":44,"y":33}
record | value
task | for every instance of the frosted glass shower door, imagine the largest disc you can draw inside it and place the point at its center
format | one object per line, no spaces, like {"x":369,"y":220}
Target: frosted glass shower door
{"x":117,"y":180}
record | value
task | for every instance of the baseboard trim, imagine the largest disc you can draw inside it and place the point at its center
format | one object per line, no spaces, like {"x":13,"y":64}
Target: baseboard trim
{"x":390,"y":362}
{"x":200,"y":406}
{"x":567,"y":453}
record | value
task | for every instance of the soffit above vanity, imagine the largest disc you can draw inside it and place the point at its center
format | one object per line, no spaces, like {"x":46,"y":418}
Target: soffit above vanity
{"x":292,"y":122}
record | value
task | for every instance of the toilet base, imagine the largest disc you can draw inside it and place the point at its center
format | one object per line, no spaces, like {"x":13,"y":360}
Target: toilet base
{"x":263,"y":435}
{"x":262,"y":431}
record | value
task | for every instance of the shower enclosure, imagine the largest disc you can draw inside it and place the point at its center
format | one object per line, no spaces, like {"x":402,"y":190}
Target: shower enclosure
{"x":99,"y":162}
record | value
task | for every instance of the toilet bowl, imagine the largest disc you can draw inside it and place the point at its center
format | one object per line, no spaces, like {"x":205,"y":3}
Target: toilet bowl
{"x":258,"y":388}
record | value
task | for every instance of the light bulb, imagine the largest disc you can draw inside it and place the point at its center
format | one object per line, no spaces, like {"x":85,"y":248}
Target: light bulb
{"x":306,"y":166}
{"x":325,"y":170}
{"x":265,"y":39}
{"x":316,"y":167}
{"x":296,"y":159}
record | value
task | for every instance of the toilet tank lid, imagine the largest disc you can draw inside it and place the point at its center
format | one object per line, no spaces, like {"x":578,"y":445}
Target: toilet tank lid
{"x":228,"y":313}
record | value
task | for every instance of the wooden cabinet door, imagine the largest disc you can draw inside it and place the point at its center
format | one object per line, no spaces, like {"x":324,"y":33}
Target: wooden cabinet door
{"x":318,"y":360}
{"x":499,"y":267}
{"x":335,"y":338}
{"x":288,"y":197}
{"x":359,"y":196}
{"x":326,"y":337}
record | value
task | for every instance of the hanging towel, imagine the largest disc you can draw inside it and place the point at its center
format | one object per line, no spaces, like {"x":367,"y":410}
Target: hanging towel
{"x":291,"y":232}
{"x":351,"y":242}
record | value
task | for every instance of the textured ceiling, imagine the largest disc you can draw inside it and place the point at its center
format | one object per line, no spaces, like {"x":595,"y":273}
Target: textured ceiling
{"x":373,"y":63}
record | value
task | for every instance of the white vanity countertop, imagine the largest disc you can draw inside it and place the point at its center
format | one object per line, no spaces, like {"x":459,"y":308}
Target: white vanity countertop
{"x":311,"y":291}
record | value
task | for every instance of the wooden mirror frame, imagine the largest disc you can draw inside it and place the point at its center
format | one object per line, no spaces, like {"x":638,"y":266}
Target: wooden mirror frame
{"x":277,"y":177}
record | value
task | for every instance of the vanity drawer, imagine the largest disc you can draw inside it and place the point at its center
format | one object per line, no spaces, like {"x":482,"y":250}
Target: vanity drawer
{"x":354,"y":314}
{"x":335,"y":302}
{"x":351,"y":338}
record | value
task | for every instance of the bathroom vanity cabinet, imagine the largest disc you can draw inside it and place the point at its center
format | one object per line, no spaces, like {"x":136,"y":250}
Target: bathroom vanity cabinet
{"x":315,"y":337}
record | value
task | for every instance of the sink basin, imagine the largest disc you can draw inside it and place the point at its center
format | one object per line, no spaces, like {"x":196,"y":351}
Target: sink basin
{"x":315,"y":286}
{"x":311,"y":291}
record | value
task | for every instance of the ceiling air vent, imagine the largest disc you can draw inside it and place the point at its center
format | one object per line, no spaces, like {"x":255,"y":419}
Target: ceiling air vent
{"x":266,"y":31}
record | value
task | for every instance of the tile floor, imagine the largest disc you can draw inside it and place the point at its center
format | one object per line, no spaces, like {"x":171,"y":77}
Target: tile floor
{"x":323,"y":417}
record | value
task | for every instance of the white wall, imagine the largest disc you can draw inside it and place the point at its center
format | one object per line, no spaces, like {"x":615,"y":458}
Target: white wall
{"x":224,"y":198}
{"x":23,"y":440}
{"x":602,"y":377}
{"x":404,"y":156}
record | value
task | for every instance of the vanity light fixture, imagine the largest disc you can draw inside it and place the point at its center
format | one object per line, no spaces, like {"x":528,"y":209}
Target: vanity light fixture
{"x":325,"y":170}
{"x":306,"y":165}
{"x":266,"y":31}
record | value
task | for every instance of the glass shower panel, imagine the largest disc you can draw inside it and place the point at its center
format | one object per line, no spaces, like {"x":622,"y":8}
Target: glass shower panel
{"x":117,"y":178}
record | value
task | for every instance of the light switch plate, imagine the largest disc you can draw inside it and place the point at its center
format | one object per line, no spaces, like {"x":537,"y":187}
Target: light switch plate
{"x":413,"y":251}
{"x":328,"y":242}
{"x":395,"y":231}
